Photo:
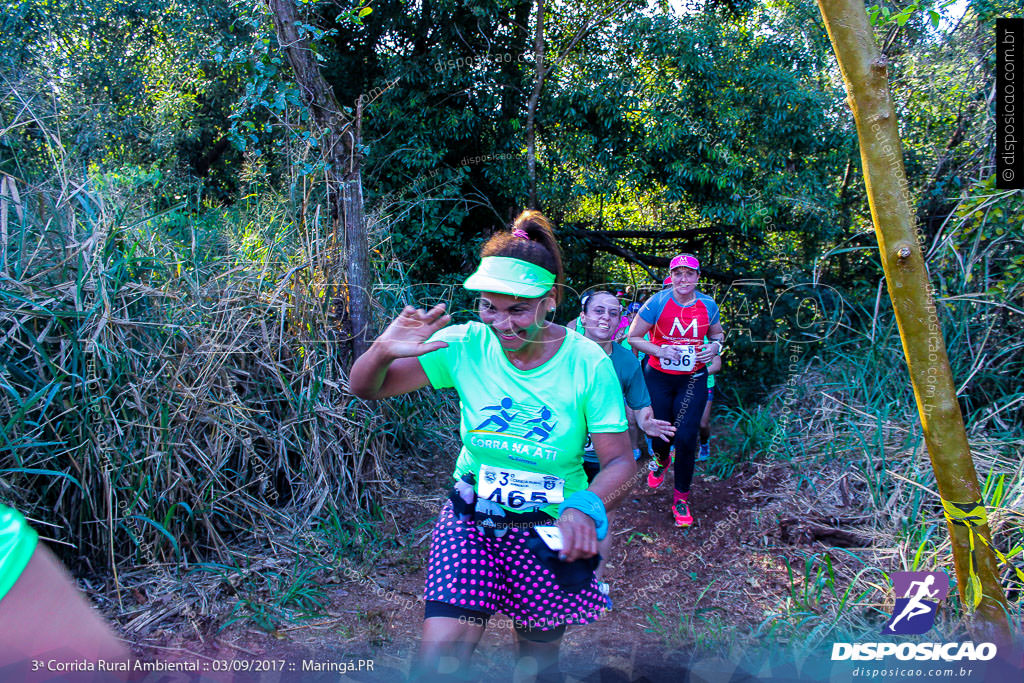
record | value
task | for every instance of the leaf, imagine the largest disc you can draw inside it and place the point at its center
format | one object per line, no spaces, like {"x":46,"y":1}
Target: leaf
{"x":973,"y":590}
{"x":48,"y":473}
{"x":366,"y":10}
{"x":934,"y":16}
{"x":997,"y":497}
{"x":159,"y":527}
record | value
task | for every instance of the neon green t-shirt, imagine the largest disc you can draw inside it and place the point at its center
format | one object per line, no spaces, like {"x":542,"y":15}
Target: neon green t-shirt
{"x":527,"y":420}
{"x":17,"y":543}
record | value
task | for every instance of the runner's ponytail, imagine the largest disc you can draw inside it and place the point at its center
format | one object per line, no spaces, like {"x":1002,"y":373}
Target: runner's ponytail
{"x":537,"y":247}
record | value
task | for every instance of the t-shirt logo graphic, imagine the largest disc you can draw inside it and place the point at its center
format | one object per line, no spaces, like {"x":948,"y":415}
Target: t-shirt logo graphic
{"x":543,"y":424}
{"x":503,"y":417}
{"x":914,"y":613}
{"x":678,"y":331}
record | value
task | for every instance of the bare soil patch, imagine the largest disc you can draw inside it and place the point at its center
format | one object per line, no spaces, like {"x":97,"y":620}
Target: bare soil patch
{"x":677,"y":592}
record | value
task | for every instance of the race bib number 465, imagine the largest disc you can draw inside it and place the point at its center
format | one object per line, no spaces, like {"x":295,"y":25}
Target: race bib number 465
{"x":518,"y":489}
{"x":686,"y":361}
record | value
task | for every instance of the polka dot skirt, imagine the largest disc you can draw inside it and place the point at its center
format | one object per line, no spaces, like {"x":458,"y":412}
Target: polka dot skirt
{"x":470,"y":570}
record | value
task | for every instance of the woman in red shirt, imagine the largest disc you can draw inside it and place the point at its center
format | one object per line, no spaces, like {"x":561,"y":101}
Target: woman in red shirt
{"x":677,"y":319}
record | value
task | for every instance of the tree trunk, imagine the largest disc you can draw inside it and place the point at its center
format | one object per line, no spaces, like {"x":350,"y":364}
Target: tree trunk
{"x":531,"y":110}
{"x":865,"y":75}
{"x":543,"y":71}
{"x":340,"y":142}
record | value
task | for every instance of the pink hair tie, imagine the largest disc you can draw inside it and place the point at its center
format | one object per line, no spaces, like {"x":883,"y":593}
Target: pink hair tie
{"x":520,"y":233}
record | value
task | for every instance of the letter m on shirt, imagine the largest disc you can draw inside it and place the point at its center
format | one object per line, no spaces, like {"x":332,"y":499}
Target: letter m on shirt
{"x":678,"y":330}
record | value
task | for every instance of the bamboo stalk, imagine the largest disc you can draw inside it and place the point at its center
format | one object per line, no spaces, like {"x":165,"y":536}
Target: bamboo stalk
{"x":865,"y":74}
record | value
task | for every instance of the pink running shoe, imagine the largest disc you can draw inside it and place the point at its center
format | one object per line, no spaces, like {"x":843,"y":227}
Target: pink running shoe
{"x":681,"y":511}
{"x":656,"y":475}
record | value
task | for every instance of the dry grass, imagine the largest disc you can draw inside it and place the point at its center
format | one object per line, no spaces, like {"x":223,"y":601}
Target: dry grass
{"x":174,"y":394}
{"x":857,"y":484}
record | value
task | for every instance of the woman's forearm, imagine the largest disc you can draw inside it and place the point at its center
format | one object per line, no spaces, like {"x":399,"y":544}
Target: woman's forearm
{"x":643,"y":417}
{"x":369,"y":372}
{"x":614,"y":480}
{"x":645,"y":346}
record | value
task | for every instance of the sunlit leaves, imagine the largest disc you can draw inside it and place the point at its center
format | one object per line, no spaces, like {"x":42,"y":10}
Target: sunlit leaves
{"x":881,"y":14}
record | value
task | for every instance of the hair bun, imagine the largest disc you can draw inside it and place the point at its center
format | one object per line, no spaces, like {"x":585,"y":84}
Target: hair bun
{"x":533,"y":223}
{"x":530,"y":238}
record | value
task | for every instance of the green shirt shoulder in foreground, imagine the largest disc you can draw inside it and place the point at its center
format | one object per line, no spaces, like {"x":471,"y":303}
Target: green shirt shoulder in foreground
{"x":17,"y":543}
{"x":530,"y":420}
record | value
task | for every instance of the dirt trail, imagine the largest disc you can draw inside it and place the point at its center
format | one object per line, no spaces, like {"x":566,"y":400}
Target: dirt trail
{"x":674,"y":591}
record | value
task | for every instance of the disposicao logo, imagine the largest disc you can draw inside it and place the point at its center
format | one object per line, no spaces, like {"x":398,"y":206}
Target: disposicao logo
{"x":914,"y":613}
{"x":922,"y":652}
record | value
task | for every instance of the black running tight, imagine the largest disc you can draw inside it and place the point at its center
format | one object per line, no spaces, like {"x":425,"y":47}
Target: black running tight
{"x":678,"y":399}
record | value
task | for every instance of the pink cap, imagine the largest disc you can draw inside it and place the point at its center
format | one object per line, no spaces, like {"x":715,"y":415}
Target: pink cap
{"x":686,"y":261}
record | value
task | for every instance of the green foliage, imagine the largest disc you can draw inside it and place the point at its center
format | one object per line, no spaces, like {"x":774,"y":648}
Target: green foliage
{"x":269,"y":599}
{"x":122,"y":82}
{"x":882,"y":15}
{"x":704,"y":628}
{"x":808,"y":587}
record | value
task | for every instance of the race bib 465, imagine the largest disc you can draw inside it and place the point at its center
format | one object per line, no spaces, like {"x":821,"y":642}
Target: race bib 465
{"x":518,"y":489}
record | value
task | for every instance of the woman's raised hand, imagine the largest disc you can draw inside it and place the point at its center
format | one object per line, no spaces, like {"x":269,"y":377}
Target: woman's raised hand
{"x":405,"y":336}
{"x":657,"y":429}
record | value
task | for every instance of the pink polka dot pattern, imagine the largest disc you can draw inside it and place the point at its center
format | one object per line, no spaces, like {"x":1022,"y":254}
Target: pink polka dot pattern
{"x":468,"y":569}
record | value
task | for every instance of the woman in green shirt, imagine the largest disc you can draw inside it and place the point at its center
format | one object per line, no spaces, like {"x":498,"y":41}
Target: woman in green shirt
{"x":529,"y":393}
{"x":43,"y":616}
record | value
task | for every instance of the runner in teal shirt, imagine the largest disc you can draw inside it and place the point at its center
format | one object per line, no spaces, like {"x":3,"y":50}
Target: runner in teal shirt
{"x":704,"y":452}
{"x":601,"y":311}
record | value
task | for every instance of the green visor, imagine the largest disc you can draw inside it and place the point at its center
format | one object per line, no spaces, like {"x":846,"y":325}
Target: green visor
{"x":510,"y":276}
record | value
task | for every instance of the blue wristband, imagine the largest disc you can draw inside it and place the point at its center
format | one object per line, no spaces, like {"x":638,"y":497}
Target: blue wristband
{"x":590,"y":504}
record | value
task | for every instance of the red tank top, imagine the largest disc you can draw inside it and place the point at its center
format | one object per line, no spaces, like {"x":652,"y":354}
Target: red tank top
{"x":684,"y":326}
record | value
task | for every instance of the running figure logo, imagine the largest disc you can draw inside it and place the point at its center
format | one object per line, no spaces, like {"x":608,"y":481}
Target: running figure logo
{"x":914,"y":613}
{"x":501,"y":420}
{"x":506,"y":415}
{"x":543,"y":430}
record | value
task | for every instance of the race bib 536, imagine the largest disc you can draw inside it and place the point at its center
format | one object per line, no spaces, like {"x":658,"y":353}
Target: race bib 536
{"x":686,"y":361}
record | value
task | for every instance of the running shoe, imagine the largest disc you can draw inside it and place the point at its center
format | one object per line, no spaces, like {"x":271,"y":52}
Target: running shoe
{"x":656,"y":475}
{"x":704,"y":453}
{"x":681,"y":511}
